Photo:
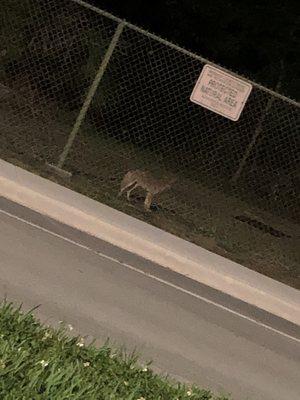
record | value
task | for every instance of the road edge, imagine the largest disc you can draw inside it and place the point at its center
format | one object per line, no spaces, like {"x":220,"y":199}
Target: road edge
{"x":147,"y":241}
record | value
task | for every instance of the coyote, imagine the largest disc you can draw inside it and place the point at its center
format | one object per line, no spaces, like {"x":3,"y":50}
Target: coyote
{"x":146,"y":181}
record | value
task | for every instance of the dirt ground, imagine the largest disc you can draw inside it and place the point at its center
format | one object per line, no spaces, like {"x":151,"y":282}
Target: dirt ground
{"x":190,"y":210}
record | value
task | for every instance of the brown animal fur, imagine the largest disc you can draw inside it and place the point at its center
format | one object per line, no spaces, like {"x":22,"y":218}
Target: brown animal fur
{"x":145,"y":180}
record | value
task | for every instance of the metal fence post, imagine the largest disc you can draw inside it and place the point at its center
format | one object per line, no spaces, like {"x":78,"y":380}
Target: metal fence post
{"x":253,"y":141}
{"x":257,"y":132}
{"x":87,"y":102}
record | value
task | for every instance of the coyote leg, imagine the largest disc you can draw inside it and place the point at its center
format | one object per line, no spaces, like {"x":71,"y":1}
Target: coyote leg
{"x":121,"y":191}
{"x":130,"y":190}
{"x":148,"y":201}
{"x":125,"y":187}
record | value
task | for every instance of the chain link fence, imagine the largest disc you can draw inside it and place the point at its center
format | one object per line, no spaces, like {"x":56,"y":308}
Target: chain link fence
{"x":94,"y":96}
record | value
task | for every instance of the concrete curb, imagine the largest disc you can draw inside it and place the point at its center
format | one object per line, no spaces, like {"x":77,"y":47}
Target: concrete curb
{"x":99,"y":220}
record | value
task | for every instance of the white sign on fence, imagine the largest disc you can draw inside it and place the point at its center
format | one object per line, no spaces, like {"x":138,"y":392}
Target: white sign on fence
{"x":221,"y":92}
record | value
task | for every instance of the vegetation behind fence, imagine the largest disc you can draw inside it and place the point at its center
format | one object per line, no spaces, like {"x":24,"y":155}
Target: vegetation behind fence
{"x":96,"y":96}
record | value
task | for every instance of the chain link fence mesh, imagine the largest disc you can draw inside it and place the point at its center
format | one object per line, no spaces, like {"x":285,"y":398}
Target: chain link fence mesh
{"x":237,"y":184}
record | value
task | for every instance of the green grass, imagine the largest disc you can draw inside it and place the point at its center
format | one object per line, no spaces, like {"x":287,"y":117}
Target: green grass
{"x":38,"y":362}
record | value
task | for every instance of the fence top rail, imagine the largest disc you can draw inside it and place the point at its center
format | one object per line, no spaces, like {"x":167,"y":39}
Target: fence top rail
{"x":182,"y":50}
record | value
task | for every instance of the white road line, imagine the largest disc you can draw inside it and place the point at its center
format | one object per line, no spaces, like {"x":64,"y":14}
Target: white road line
{"x":151,"y":276}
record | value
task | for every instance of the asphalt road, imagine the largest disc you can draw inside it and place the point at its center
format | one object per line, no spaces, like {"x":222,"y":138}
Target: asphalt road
{"x":190,"y":331}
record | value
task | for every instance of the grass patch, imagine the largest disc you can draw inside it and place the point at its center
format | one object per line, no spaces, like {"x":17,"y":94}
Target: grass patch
{"x":38,"y":362}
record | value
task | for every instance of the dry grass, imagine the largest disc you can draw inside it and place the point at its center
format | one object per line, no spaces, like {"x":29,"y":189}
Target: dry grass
{"x":190,"y":210}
